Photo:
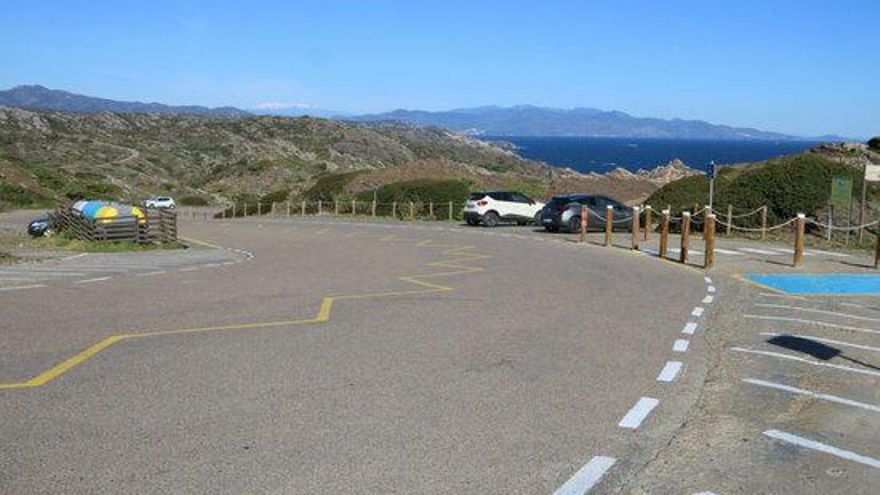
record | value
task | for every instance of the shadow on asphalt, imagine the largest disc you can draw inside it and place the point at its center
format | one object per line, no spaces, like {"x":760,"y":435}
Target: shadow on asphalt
{"x":815,"y":349}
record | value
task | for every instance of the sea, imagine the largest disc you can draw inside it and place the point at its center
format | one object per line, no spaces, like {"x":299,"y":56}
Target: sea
{"x":602,"y":155}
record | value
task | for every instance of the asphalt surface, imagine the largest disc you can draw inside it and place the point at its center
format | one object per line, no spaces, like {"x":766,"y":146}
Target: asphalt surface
{"x":346,"y":356}
{"x":509,"y":379}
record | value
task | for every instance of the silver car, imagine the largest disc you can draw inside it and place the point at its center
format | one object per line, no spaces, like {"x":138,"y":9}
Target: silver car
{"x":564,"y":212}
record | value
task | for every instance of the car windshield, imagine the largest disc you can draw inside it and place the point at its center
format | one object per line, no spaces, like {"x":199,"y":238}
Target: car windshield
{"x":477,"y":195}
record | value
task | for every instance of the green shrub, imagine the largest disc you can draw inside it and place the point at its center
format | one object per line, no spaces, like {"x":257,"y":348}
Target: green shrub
{"x":329,"y":187}
{"x":193,"y":201}
{"x":874,"y":143}
{"x":15,"y":196}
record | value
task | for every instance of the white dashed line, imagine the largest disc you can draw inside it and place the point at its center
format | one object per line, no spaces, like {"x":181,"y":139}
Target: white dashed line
{"x":826,"y":397}
{"x":708,"y":299}
{"x":711,"y":288}
{"x":698,"y":311}
{"x":638,"y":413}
{"x":821,"y":447}
{"x":681,"y":345}
{"x":586,"y":477}
{"x":149,"y":274}
{"x":22,"y":287}
{"x":90,"y":280}
{"x":669,"y":372}
{"x":689,"y":328}
{"x":807,"y":361}
{"x":708,"y":280}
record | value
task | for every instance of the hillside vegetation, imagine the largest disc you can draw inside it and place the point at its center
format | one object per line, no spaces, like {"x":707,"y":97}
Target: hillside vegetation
{"x":787,"y":185}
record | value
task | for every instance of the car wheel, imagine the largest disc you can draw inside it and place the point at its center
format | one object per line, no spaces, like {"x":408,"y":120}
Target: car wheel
{"x":574,"y":224}
{"x":490,"y":219}
{"x":471,"y":222}
{"x":522,"y":222}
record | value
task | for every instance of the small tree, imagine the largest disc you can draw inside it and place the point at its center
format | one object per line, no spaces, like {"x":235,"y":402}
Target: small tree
{"x":874,"y":143}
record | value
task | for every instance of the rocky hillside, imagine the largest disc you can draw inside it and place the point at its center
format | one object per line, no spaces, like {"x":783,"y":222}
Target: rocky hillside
{"x":50,"y":157}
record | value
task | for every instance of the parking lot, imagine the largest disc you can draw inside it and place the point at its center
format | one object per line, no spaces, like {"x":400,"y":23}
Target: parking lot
{"x":297,"y":356}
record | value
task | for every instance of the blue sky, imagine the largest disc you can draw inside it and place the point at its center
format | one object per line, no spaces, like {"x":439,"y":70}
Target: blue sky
{"x":803,"y":67}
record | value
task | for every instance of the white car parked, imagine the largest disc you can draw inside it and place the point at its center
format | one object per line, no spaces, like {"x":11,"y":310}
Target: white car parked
{"x":490,"y":208}
{"x":160,"y":202}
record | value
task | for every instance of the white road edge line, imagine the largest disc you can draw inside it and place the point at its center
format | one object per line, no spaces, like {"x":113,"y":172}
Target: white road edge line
{"x":149,"y":274}
{"x":586,"y":477}
{"x":638,"y":413}
{"x":800,"y":391}
{"x":681,"y":345}
{"x":689,"y":328}
{"x":807,"y":361}
{"x":828,"y":341}
{"x":22,"y":287}
{"x":813,"y":322}
{"x":90,"y":280}
{"x":698,"y":311}
{"x":669,"y":371}
{"x":821,"y":447}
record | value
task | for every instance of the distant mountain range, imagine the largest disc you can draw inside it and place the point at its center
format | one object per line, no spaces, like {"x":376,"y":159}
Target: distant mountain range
{"x":522,"y":120}
{"x":35,"y":97}
{"x":527,"y":120}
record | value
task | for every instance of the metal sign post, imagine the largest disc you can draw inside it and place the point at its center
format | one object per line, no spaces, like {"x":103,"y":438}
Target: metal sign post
{"x":711,"y":172}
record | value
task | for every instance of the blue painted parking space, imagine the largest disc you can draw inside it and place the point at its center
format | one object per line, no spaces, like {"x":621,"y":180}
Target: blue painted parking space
{"x":837,"y":283}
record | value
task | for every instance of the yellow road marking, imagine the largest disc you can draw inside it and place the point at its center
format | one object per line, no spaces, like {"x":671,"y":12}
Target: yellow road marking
{"x":322,"y":316}
{"x":201,"y":243}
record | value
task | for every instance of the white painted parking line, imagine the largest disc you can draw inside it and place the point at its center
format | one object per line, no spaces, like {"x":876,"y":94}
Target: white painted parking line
{"x":783,"y":296}
{"x":689,"y":328}
{"x":807,"y":361}
{"x":669,"y":372}
{"x":698,"y":311}
{"x":29,"y":273}
{"x":829,"y":253}
{"x":22,"y":287}
{"x":817,"y":311}
{"x":190,"y":269}
{"x":827,"y":341}
{"x":681,"y":345}
{"x":728,"y":251}
{"x":149,"y":274}
{"x":586,"y":477}
{"x":826,"y":397}
{"x":638,"y":413}
{"x":90,"y":280}
{"x":711,"y":288}
{"x":708,"y":299}
{"x":810,"y":322}
{"x":821,"y":447}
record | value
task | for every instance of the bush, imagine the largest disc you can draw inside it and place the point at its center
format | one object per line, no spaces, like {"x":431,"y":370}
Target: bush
{"x":329,"y":187}
{"x":420,"y":191}
{"x":15,"y":196}
{"x":193,"y":201}
{"x":874,"y":143}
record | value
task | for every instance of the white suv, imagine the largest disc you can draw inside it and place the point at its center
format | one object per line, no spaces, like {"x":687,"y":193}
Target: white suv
{"x":490,"y":208}
{"x":160,"y":202}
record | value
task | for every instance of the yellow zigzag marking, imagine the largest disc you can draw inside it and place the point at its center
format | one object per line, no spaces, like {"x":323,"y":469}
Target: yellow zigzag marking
{"x":455,"y":264}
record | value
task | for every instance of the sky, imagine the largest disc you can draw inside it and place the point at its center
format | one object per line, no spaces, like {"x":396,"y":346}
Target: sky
{"x":801,"y":67}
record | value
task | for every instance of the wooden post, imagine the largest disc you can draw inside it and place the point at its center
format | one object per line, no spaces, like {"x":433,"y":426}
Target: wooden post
{"x":636,"y":231}
{"x":799,"y":239}
{"x":336,"y":207}
{"x":685,"y":234}
{"x":412,"y":210}
{"x":373,"y":209}
{"x":609,"y":224}
{"x":233,"y":210}
{"x":648,"y":220}
{"x":394,"y":210}
{"x":320,"y":206}
{"x":259,"y":208}
{"x":877,"y":253}
{"x":584,"y":219}
{"x":430,"y":210}
{"x":764,"y":223}
{"x":729,"y":219}
{"x":288,"y":207}
{"x":709,"y":229}
{"x":302,"y":209}
{"x":664,"y":232}
{"x":450,"y":211}
{"x":354,"y":207}
{"x":274,"y":208}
